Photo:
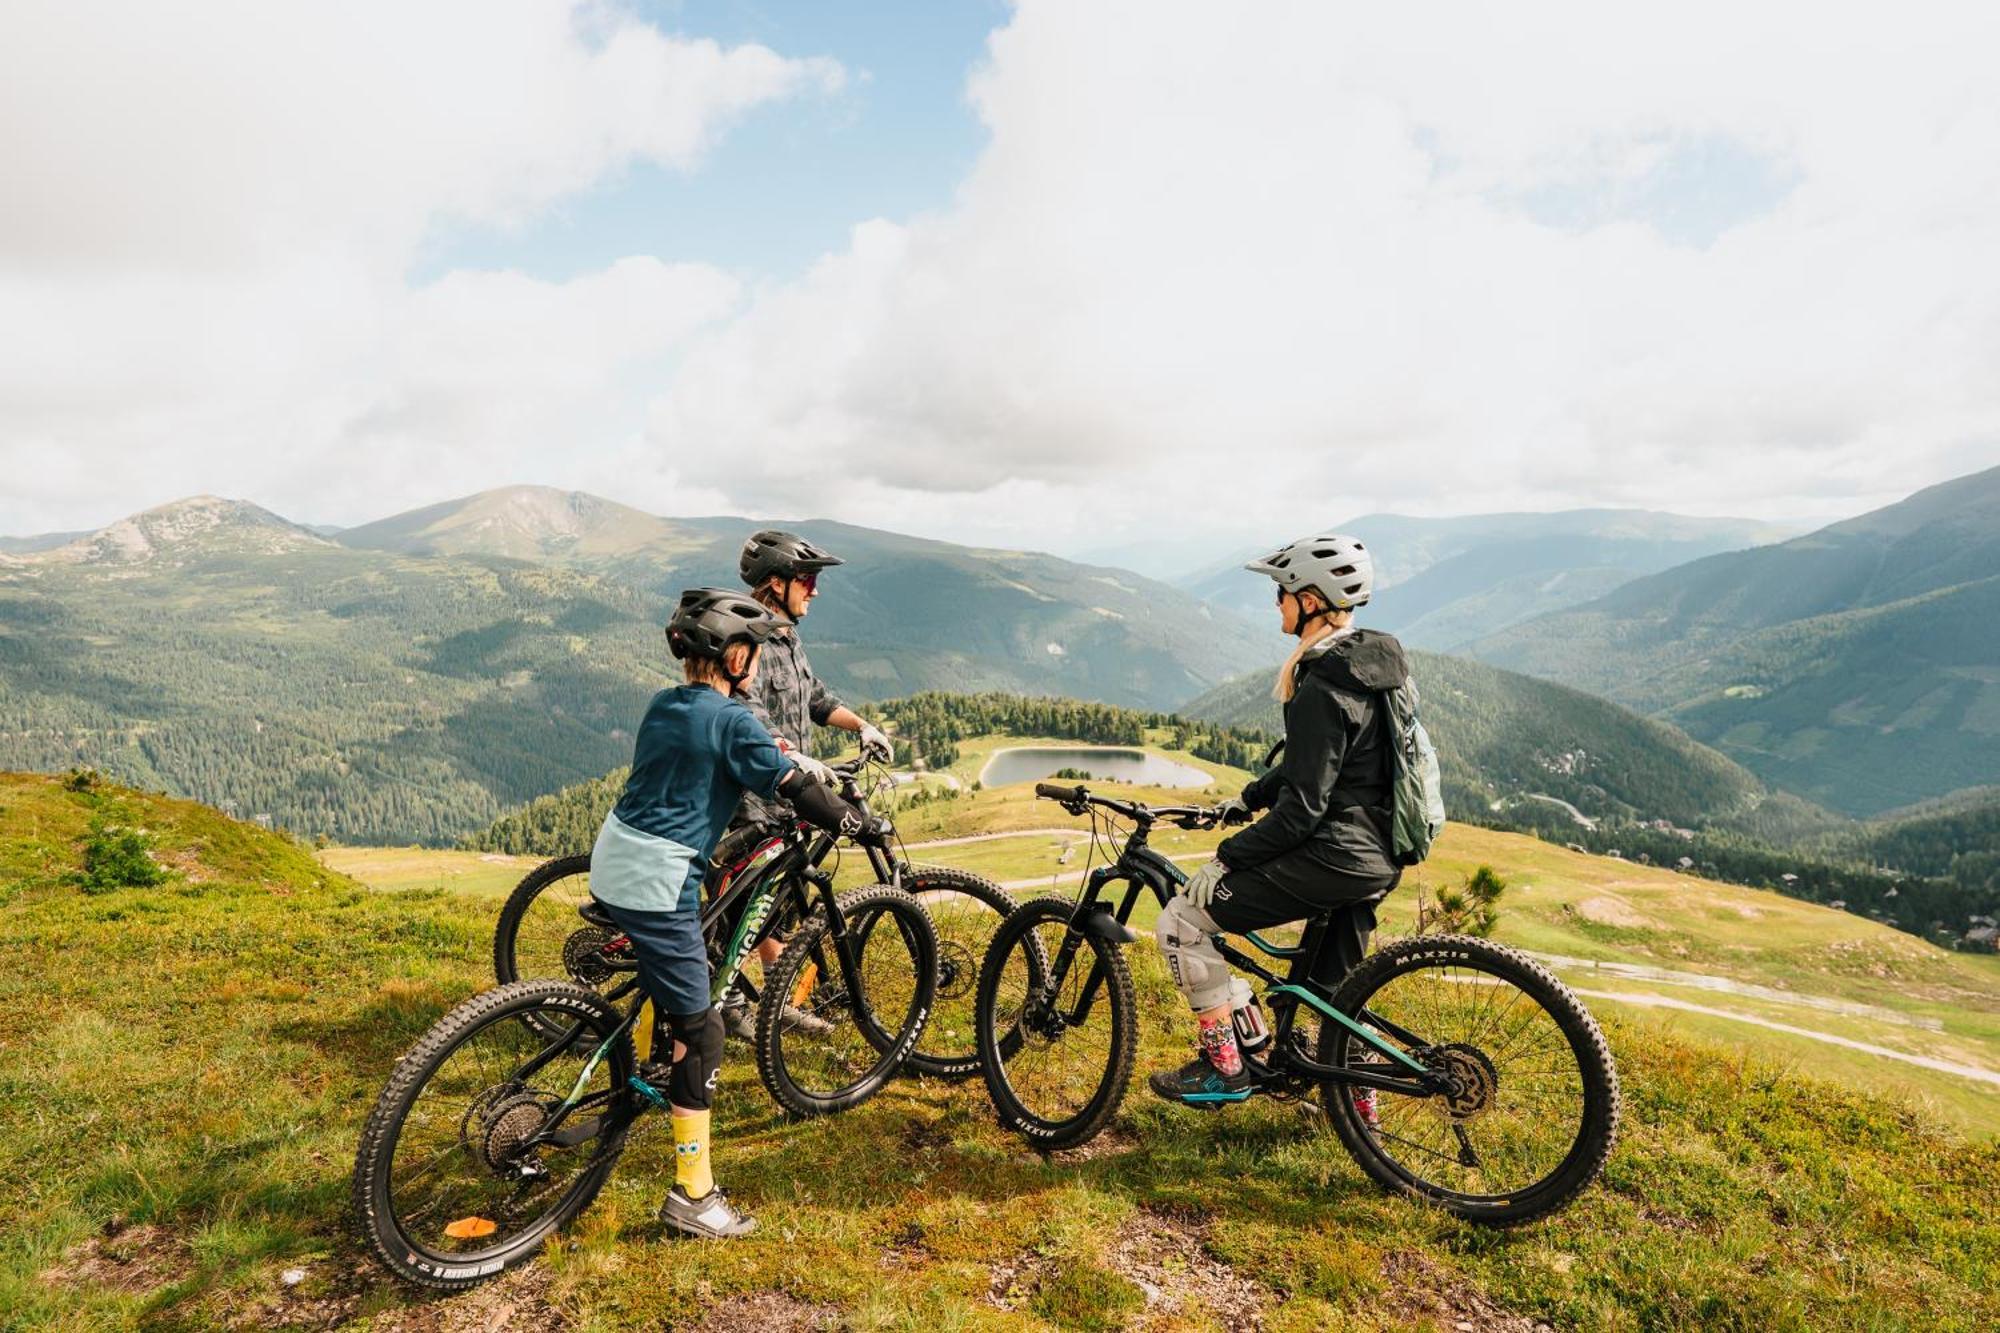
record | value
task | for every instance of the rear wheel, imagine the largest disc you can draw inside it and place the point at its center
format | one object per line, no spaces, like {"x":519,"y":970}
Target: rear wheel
{"x":1532,"y":1108}
{"x":965,"y":910}
{"x":457,"y":1177}
{"x":829,"y":1038}
{"x":1057,"y":1032}
{"x":541,"y":935}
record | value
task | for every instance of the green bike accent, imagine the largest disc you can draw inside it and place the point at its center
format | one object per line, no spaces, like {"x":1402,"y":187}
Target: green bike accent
{"x":1272,"y":949}
{"x":1357,"y":1029}
{"x":754,"y":913}
{"x":590,"y":1065}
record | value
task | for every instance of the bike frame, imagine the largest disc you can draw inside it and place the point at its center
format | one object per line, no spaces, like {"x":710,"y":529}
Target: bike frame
{"x":1141,"y":868}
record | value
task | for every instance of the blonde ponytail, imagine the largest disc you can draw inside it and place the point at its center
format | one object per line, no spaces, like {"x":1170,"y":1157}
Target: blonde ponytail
{"x":1287,"y":683}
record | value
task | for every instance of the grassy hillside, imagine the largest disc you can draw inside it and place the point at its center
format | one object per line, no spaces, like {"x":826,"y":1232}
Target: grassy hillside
{"x":1854,"y":665}
{"x":1501,"y":735}
{"x":187,"y":1066}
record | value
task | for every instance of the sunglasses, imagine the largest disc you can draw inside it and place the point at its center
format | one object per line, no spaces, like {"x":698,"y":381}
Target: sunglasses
{"x":808,"y":581}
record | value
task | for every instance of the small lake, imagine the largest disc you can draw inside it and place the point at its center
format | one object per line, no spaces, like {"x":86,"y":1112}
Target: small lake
{"x":1034,"y":762}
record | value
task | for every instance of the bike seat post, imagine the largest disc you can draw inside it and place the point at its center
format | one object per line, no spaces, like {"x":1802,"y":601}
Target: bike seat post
{"x":1305,"y":963}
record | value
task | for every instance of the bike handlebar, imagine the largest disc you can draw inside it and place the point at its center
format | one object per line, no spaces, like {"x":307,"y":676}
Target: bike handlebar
{"x":1075,"y":799}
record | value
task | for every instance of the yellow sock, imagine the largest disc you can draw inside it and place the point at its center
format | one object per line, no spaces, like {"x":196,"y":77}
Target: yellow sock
{"x":691,"y":1169}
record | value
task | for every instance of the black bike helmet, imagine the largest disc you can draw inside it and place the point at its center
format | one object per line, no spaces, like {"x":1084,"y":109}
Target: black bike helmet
{"x":783,"y":554}
{"x":708,"y":620}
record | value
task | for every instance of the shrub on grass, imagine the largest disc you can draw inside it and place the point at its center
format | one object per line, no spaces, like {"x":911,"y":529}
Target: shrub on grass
{"x":118,"y":856}
{"x":1471,"y":909}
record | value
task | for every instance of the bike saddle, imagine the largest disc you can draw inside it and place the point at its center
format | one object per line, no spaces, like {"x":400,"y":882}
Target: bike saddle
{"x":593,"y":912}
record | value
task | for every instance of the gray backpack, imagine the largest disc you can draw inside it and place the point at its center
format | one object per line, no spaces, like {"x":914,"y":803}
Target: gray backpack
{"x":1417,"y":808}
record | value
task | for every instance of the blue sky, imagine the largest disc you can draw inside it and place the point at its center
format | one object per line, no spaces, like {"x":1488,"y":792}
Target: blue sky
{"x":785,"y":185}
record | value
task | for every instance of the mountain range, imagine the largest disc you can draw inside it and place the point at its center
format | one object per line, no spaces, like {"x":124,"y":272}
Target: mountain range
{"x":1446,"y":581}
{"x":408,"y":679}
{"x":1858,"y":665}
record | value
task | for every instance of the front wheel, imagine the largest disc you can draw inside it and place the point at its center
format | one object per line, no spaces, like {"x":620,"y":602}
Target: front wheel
{"x":1057,"y":1024}
{"x":491,"y":1133}
{"x":841,"y":1012}
{"x":1529,"y":1110}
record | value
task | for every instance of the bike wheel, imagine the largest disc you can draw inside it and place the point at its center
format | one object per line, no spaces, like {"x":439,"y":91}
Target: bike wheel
{"x":1532,"y":1111}
{"x":965,"y":909}
{"x":451,"y":1183}
{"x":540,"y":935}
{"x":827,"y":1040}
{"x":1057,"y":1032}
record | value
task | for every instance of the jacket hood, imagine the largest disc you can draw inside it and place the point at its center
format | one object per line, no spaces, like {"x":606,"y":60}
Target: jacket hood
{"x":1363,"y":660}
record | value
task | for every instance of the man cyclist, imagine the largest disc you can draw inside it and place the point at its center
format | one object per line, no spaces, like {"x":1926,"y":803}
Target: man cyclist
{"x":698,"y":750}
{"x":782,"y":571}
{"x":1325,"y":839}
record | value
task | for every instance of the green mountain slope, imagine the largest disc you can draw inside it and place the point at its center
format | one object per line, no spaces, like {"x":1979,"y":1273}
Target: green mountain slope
{"x":357,"y":694}
{"x":412,"y":679}
{"x":1501,"y":736}
{"x":1858,"y":665}
{"x":187,"y":1066}
{"x":903,"y":614}
{"x":1457,"y":579}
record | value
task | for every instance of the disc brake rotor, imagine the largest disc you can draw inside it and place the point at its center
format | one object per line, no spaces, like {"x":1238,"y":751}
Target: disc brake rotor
{"x":956,"y":970}
{"x":585,"y":955}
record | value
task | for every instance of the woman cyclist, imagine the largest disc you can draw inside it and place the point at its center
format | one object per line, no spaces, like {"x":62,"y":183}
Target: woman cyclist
{"x":1323,"y":841}
{"x":698,"y":751}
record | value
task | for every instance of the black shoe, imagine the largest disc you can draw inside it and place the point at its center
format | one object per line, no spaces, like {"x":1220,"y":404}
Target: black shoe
{"x":1199,"y":1083}
{"x":711,"y":1217}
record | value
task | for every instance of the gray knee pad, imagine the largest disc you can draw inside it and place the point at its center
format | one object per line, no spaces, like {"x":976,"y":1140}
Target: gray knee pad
{"x":692,"y":1084}
{"x":1183,"y":931}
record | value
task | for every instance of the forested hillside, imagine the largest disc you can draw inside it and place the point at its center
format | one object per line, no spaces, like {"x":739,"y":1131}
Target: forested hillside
{"x":360,"y":695}
{"x":1858,"y":666}
{"x":416,"y":677}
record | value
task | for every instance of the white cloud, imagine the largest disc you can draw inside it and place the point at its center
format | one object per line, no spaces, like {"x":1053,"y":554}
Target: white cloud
{"x":1224,"y":265}
{"x":212,"y":210}
{"x":1221,"y":268}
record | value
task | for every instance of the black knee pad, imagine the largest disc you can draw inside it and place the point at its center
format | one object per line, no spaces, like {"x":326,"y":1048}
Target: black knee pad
{"x":692,"y":1083}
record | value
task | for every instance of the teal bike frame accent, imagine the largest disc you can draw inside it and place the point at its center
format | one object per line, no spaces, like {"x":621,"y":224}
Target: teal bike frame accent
{"x":1300,"y":992}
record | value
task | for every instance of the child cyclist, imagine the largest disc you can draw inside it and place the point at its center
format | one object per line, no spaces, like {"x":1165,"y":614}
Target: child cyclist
{"x":1324,"y":841}
{"x":698,"y":751}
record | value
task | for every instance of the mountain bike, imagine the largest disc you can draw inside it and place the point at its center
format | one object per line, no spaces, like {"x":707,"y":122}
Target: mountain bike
{"x":504,"y":1121}
{"x":1495,"y":1094}
{"x":540,"y":932}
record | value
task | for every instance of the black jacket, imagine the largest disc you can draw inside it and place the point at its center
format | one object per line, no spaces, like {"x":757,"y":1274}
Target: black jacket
{"x":1329,"y":797}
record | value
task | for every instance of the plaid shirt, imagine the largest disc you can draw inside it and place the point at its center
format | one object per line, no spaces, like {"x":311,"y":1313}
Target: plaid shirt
{"x":789,"y":700}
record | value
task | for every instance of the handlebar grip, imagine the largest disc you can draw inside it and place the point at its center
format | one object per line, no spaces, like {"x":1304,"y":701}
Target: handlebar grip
{"x":1050,"y":791}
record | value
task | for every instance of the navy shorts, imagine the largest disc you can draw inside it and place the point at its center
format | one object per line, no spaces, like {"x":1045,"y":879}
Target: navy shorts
{"x":673,"y":961}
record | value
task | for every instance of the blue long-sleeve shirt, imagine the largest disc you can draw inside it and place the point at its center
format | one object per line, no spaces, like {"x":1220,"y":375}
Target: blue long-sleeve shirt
{"x":697,"y":752}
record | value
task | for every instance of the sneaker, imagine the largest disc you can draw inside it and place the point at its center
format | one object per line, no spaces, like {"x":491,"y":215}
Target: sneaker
{"x":1365,"y":1107}
{"x":711,"y":1217}
{"x":1199,"y":1083}
{"x":737,"y":1020}
{"x":810,"y":1025}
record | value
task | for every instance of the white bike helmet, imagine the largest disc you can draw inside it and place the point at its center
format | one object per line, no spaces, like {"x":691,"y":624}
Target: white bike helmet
{"x":1336,"y":567}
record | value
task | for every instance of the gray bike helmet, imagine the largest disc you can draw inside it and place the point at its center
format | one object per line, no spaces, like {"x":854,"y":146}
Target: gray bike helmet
{"x":784,"y":554}
{"x":1338,"y":568}
{"x":708,"y":620}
